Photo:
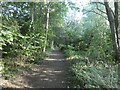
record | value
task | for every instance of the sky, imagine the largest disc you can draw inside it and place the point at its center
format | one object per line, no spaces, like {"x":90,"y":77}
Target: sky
{"x":81,"y":4}
{"x":75,"y":14}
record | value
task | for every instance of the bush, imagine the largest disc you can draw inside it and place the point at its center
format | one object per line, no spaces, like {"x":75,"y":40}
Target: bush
{"x":69,"y":52}
{"x":62,"y":47}
{"x":95,"y":75}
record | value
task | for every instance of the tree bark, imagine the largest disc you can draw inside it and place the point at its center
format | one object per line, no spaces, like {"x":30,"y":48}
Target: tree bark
{"x":113,"y":27}
{"x":46,"y":27}
{"x":116,"y":20}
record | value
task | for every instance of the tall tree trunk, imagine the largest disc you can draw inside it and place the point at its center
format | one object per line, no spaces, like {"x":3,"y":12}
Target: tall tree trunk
{"x":112,"y":22}
{"x":116,"y":20}
{"x":46,"y":27}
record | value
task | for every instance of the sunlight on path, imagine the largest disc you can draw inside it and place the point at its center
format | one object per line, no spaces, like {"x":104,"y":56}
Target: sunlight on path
{"x":50,"y":74}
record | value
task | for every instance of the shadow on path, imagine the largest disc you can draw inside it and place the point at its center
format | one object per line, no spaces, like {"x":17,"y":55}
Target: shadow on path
{"x":52,"y":73}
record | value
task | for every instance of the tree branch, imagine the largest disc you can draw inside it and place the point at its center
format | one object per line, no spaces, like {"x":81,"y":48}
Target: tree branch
{"x":97,"y":13}
{"x":100,"y":9}
{"x":112,"y":12}
{"x":99,"y":3}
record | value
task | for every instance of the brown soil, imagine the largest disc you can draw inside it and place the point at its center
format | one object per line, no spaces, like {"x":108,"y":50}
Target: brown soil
{"x":52,"y":73}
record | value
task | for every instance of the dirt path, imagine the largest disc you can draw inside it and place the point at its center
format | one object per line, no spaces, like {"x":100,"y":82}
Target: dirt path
{"x":50,"y":74}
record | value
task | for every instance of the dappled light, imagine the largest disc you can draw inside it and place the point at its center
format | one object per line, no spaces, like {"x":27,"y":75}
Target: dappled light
{"x":60,"y":44}
{"x":51,"y":74}
{"x":50,"y":59}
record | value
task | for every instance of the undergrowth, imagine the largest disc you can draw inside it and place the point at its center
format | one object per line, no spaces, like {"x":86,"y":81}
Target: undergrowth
{"x":87,"y":73}
{"x":11,"y":66}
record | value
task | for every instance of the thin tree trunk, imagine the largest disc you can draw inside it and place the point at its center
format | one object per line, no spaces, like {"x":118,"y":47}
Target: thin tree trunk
{"x":52,"y":44}
{"x":33,"y":15}
{"x":46,"y":27}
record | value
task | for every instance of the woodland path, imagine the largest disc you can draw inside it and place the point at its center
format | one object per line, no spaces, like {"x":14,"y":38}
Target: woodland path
{"x":52,"y":73}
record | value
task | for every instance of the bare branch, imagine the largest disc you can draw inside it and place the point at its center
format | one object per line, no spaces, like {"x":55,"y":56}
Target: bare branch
{"x":100,"y":9}
{"x":112,"y":12}
{"x":97,"y":13}
{"x":101,"y":3}
{"x":109,"y":7}
{"x":98,"y":3}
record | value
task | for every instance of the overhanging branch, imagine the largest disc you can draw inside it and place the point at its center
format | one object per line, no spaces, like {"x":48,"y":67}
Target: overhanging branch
{"x":97,"y":13}
{"x":98,"y":3}
{"x":100,"y":9}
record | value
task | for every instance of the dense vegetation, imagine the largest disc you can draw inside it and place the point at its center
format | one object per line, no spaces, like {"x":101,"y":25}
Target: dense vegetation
{"x":30,"y":29}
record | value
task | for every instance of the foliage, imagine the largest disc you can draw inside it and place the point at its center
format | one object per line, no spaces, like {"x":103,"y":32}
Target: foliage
{"x":26,"y":30}
{"x":89,"y":47}
{"x":23,"y":33}
{"x":95,"y":75}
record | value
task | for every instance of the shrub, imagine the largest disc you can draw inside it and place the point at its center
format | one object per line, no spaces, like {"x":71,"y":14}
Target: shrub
{"x":95,"y":75}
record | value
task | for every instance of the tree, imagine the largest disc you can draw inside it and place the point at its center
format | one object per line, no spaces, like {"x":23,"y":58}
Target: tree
{"x":47,"y":24}
{"x":112,"y":17}
{"x":113,"y":22}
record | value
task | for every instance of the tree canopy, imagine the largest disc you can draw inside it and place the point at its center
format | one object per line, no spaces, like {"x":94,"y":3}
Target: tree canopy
{"x":89,"y":36}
